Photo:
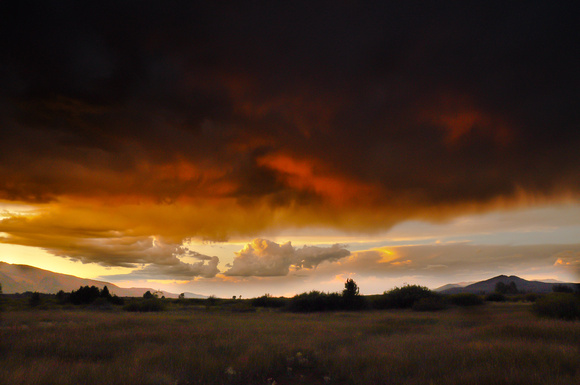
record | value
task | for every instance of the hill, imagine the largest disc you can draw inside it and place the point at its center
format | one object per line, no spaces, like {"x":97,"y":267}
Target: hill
{"x":488,"y":286}
{"x":22,"y":278}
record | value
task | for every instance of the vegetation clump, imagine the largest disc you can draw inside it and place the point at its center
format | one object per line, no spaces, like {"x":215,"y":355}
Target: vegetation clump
{"x":86,"y":295}
{"x":495,"y":297}
{"x":316,"y":301}
{"x":35,"y":299}
{"x":559,"y":288}
{"x":405,"y":297}
{"x":267,"y":301}
{"x":465,"y":299}
{"x":433,"y":303}
{"x":144,"y":305}
{"x":510,"y":288}
{"x":558,"y":305}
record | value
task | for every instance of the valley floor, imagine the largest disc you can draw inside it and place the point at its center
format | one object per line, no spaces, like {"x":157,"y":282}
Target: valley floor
{"x":491,"y":344}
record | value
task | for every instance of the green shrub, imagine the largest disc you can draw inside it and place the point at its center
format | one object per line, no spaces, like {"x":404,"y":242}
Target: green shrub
{"x":495,"y":297}
{"x":403,"y":297}
{"x":558,"y":305}
{"x":465,"y":299}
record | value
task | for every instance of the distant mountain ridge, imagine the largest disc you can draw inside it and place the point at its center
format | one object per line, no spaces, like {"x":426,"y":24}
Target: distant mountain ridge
{"x":488,"y":286}
{"x":22,"y":278}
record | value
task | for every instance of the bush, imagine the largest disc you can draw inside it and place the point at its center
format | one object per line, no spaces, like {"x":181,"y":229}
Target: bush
{"x":433,"y":303}
{"x":116,"y":300}
{"x":145,"y":305}
{"x":465,"y":299}
{"x":403,"y":297}
{"x":495,"y":297}
{"x":268,"y":301}
{"x":559,"y":288}
{"x":34,"y":299}
{"x":531,"y":297}
{"x":315,"y":301}
{"x":558,"y":305}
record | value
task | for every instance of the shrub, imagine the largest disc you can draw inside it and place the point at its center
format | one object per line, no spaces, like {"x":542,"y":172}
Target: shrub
{"x":34,"y":299}
{"x":315,"y":301}
{"x":145,"y":305}
{"x":116,"y":300}
{"x":495,"y":297}
{"x":403,"y":297}
{"x":531,"y":297}
{"x":268,"y":301}
{"x":433,"y":303}
{"x":465,"y":299}
{"x":558,"y":305}
{"x":559,"y":288}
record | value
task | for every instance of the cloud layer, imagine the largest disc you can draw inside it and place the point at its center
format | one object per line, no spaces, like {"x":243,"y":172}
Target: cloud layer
{"x":122,"y":122}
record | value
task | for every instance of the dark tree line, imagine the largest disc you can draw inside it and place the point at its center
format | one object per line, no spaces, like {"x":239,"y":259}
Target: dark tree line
{"x":88,"y":294}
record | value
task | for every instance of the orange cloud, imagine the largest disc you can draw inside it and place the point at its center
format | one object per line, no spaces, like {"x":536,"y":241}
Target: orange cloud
{"x":461,"y":119}
{"x":309,"y":175}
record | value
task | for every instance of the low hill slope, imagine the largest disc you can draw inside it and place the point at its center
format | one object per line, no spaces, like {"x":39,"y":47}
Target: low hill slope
{"x":22,"y":278}
{"x":488,"y":286}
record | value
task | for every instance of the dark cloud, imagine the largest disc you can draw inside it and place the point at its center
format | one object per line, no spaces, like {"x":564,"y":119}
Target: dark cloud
{"x":380,"y":111}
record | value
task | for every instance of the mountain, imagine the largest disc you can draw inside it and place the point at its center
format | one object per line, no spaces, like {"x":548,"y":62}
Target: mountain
{"x":488,"y":286}
{"x":22,"y":278}
{"x":452,"y":286}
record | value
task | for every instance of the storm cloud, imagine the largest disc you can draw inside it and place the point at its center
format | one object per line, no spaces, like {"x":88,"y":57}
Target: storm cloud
{"x":122,"y":121}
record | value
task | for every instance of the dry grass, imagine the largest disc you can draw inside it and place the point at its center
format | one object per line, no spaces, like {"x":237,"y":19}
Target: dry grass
{"x":494,"y":344}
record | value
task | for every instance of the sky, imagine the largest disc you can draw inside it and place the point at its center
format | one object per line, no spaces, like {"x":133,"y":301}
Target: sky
{"x":244,"y":148}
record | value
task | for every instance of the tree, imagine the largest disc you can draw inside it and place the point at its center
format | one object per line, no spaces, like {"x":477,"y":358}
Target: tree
{"x":502,"y":288}
{"x":351,"y":300}
{"x":148,"y":295}
{"x":351,"y":289}
{"x":105,"y":293}
{"x":85,"y":295}
{"x":34,"y":299}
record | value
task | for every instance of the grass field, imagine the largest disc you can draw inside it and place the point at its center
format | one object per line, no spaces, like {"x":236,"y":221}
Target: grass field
{"x":492,"y":344}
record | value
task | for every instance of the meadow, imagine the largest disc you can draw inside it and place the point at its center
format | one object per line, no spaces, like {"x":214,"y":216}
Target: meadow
{"x":498,"y":343}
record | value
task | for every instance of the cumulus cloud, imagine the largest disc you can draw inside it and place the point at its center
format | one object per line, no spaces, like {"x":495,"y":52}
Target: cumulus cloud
{"x":265,"y":258}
